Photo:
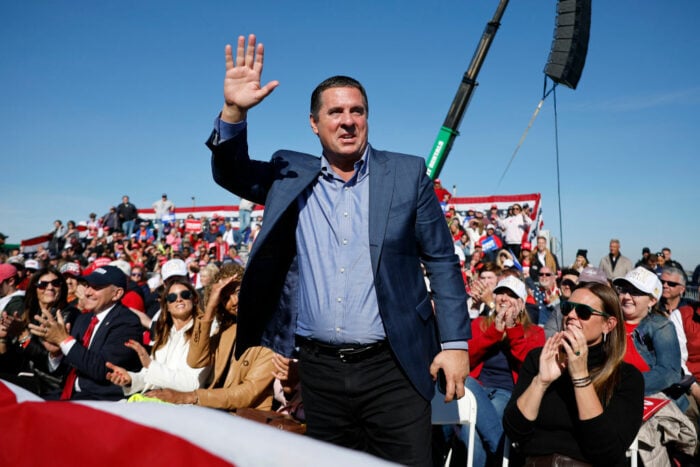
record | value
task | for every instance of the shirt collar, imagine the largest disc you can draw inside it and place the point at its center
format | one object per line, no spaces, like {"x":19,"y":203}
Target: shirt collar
{"x":101,"y":315}
{"x":361,"y":167}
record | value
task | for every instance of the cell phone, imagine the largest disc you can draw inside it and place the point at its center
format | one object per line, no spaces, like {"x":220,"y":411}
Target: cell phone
{"x":442,"y":381}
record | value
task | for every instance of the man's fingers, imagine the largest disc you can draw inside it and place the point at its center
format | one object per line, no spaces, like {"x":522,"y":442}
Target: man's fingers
{"x":250,"y":52}
{"x":59,"y":317}
{"x":228,"y":53}
{"x":240,"y":51}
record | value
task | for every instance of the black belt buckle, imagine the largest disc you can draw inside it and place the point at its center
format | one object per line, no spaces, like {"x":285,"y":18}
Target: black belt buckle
{"x":345,"y":355}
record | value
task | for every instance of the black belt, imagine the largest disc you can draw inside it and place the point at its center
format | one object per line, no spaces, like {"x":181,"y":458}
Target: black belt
{"x":349,"y":353}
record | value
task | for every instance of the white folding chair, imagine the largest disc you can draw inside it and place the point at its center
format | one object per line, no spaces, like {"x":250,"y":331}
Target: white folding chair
{"x":633,"y":451}
{"x":459,"y":412}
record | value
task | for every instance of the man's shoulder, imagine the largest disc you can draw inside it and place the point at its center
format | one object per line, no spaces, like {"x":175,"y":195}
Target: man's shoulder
{"x":122,"y":315}
{"x":397,"y":157}
{"x":284,"y":159}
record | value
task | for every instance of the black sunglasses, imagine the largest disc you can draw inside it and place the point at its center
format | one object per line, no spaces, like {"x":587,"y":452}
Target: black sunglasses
{"x":546,"y":274}
{"x":172,"y":297}
{"x":628,"y":289}
{"x":670,"y":283}
{"x":56,"y":283}
{"x":568,"y":283}
{"x":584,"y":312}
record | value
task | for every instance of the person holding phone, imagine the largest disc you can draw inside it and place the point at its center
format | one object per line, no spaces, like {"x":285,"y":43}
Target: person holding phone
{"x":585,"y":408}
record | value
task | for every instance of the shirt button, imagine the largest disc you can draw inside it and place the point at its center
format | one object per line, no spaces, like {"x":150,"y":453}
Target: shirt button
{"x":337,"y":329}
{"x":347,"y":188}
{"x":342,"y":270}
{"x":339,"y":299}
{"x":345,"y":214}
{"x":345,"y":241}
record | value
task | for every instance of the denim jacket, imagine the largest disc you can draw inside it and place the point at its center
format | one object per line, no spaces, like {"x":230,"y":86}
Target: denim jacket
{"x":656,"y":341}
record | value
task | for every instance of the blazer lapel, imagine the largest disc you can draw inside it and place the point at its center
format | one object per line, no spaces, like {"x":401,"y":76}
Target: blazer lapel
{"x":307,"y":169}
{"x":104,"y":327}
{"x":381,"y":188}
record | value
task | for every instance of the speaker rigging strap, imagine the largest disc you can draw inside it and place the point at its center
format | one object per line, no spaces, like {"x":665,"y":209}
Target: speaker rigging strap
{"x":529,"y":125}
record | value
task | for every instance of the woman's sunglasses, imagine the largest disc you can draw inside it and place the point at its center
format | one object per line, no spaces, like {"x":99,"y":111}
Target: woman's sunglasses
{"x":583,"y":312}
{"x":627,"y":289}
{"x":172,"y":297}
{"x":56,"y":283}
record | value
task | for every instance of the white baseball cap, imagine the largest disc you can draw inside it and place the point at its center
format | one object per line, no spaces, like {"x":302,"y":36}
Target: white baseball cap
{"x":173,"y":267}
{"x":642,"y":279}
{"x":513,"y":284}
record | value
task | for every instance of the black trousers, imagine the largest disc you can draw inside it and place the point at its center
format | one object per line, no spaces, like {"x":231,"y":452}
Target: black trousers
{"x":367,"y":405}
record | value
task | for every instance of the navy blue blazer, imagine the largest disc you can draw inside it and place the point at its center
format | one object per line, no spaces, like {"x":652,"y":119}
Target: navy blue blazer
{"x":120,"y":325}
{"x":406,"y":227}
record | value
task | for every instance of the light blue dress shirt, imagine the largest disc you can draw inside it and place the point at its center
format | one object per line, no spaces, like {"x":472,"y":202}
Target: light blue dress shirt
{"x":337,"y":299}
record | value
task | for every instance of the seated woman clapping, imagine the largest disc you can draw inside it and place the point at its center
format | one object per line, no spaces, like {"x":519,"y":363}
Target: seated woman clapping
{"x":499,"y":344}
{"x":167,"y":366}
{"x":576,"y":398}
{"x":236,"y":383}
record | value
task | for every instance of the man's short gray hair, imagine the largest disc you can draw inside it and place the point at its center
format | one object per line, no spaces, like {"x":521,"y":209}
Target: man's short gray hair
{"x":676,"y":271}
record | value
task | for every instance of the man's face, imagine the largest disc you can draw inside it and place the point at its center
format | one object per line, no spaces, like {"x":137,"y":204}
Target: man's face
{"x":667,"y":253}
{"x":651,"y":261}
{"x":614,"y":248}
{"x":670,"y":291}
{"x":489,"y":278}
{"x":541,"y":244}
{"x":100,"y":298}
{"x":546,"y":277}
{"x":342,"y":125}
{"x":125,"y":199}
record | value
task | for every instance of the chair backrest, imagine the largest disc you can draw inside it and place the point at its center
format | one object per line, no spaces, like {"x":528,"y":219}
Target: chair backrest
{"x":459,"y":412}
{"x":633,"y":451}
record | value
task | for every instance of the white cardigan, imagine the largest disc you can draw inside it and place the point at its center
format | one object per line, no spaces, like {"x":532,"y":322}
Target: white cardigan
{"x":168,"y":368}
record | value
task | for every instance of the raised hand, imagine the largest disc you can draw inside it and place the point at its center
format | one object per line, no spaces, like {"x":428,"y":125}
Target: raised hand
{"x":52,"y":331}
{"x":215,"y":295}
{"x":140,"y":351}
{"x":550,"y":367}
{"x":242,"y":88}
{"x":118,"y":375}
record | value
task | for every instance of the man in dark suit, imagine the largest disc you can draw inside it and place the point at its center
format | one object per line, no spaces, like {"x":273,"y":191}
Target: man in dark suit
{"x":335,"y":271}
{"x":96,"y":338}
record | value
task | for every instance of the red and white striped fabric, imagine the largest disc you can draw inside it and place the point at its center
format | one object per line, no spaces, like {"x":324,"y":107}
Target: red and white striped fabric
{"x":38,"y":432}
{"x":31,"y":245}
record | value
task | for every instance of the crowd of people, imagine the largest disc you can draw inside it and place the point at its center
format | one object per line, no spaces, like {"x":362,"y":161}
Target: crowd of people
{"x":356,"y":298}
{"x":176,"y":330}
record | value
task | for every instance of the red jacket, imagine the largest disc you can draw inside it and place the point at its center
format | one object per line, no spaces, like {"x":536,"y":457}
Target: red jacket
{"x":519,"y":345}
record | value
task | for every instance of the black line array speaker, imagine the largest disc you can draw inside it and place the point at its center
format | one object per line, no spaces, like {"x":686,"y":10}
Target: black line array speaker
{"x":570,"y":44}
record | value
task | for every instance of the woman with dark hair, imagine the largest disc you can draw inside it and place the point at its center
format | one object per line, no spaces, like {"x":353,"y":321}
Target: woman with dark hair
{"x":576,"y":400}
{"x":237,"y":382}
{"x":47,"y":292}
{"x":166,"y":367}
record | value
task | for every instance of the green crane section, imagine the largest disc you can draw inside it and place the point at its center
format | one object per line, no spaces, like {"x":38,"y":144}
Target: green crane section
{"x":449,"y":130}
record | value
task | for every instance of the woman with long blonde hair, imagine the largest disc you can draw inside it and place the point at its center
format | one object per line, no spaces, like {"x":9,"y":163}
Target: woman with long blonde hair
{"x":576,"y":400}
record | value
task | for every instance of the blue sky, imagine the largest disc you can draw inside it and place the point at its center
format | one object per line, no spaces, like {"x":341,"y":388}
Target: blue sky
{"x":101,"y":99}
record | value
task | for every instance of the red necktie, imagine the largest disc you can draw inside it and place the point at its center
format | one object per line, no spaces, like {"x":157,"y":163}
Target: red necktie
{"x":73,"y":373}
